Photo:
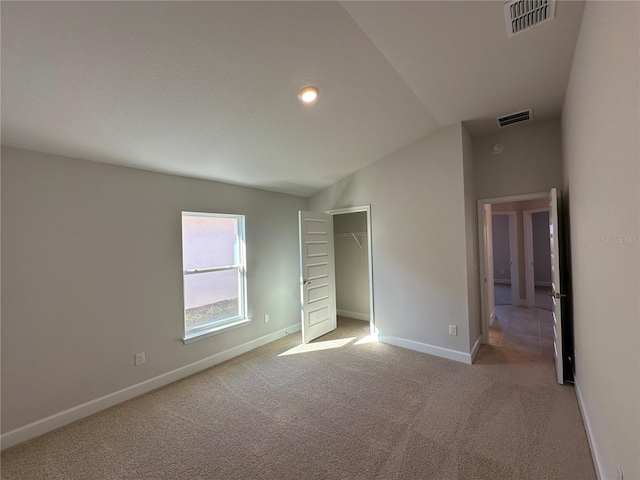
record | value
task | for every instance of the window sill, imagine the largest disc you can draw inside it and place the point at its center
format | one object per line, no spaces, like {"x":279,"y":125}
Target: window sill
{"x":194,"y":337}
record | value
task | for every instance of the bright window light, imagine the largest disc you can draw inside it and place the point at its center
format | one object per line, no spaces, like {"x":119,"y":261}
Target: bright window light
{"x":214,"y":271}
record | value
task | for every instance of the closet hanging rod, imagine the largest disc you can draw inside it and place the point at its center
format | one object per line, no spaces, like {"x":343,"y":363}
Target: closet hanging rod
{"x":355,"y":236}
{"x":351,"y":234}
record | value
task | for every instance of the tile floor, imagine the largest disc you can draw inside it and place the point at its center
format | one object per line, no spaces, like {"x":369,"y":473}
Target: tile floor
{"x":521,"y":328}
{"x":502,"y":294}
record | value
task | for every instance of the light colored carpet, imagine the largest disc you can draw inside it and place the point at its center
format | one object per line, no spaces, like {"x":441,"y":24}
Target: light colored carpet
{"x":356,"y":411}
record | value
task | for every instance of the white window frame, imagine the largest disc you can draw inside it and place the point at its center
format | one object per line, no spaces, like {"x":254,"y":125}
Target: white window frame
{"x":225,"y":324}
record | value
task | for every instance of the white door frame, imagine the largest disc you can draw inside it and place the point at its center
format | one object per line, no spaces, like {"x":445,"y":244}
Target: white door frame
{"x":528,"y":254}
{"x":514,"y":263}
{"x":367,"y":210}
{"x":481,"y":246}
{"x":486,"y":243}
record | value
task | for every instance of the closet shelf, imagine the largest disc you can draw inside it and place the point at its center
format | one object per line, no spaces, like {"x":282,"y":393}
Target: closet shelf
{"x":355,"y":236}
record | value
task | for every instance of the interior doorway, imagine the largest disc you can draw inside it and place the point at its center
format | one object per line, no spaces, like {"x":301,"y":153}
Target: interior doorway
{"x":353,"y":263}
{"x":510,"y":317}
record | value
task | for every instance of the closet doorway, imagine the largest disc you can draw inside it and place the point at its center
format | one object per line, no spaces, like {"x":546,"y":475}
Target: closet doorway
{"x":353,"y":263}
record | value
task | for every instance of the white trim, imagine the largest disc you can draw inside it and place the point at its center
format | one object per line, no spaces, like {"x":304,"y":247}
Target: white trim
{"x":481,"y":246}
{"x":514,"y":198}
{"x":597,"y":464}
{"x":356,"y":315}
{"x":492,"y":317}
{"x":456,"y":355}
{"x":485,"y":262}
{"x":216,"y":330}
{"x":57,"y":420}
{"x":367,"y":210}
{"x":476,"y":347}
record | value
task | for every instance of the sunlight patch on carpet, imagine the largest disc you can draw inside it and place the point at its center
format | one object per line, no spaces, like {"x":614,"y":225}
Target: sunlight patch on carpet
{"x":368,"y":339}
{"x":317,"y":346}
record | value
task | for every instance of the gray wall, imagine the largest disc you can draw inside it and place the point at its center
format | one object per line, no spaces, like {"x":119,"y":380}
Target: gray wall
{"x":417,"y":199}
{"x":531,"y":161}
{"x":601,"y":150}
{"x":352,"y":269}
{"x":92,"y":274}
{"x":501,"y":252}
{"x":541,"y":248}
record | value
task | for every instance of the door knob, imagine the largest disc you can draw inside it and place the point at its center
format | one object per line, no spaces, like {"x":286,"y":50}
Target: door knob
{"x":557,"y":295}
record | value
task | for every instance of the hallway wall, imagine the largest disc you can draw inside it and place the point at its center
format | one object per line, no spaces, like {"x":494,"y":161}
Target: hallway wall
{"x":601,"y":137}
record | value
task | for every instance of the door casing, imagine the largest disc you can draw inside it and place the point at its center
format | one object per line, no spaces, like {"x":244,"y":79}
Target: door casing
{"x":367,"y":210}
{"x":484,"y":302}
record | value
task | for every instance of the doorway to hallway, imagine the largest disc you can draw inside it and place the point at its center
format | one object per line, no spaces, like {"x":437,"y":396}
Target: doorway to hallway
{"x":522,"y":325}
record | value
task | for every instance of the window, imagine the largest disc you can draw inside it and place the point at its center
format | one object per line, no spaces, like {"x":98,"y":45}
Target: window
{"x":213,"y":264}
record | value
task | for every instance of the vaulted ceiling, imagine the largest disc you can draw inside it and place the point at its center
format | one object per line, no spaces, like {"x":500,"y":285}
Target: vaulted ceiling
{"x":209,"y":89}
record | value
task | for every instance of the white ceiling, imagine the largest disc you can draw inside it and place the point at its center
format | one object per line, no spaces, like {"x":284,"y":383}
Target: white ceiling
{"x":209,"y":89}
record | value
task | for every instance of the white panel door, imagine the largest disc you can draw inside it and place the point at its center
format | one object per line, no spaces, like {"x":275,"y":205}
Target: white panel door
{"x":556,"y":286}
{"x":317,"y":275}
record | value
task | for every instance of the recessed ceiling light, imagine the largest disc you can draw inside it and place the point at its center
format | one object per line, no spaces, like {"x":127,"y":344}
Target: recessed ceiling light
{"x":308,"y":95}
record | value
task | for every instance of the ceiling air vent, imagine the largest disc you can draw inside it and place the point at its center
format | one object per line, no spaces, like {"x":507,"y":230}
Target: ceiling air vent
{"x":512,"y":118}
{"x":521,"y":15}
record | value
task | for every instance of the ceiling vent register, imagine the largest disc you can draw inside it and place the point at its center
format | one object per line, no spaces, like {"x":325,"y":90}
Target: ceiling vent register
{"x":522,"y":15}
{"x":517,"y":117}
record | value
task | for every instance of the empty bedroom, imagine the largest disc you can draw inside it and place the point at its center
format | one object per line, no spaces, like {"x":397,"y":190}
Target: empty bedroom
{"x":255,"y":240}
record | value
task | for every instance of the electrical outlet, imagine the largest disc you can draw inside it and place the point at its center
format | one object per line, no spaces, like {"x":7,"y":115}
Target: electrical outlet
{"x":453,"y":330}
{"x":140,"y":360}
{"x":266,"y":319}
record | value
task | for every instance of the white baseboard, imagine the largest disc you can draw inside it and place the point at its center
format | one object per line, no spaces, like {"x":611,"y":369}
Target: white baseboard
{"x":502,"y":281}
{"x":597,"y":464}
{"x":356,"y":315}
{"x":57,"y":420}
{"x":476,"y":347}
{"x":456,"y":355}
{"x":492,"y":317}
{"x":542,"y":284}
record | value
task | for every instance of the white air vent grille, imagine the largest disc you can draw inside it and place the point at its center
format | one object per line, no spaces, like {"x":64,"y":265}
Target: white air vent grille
{"x":516,"y":117}
{"x":524,"y":14}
